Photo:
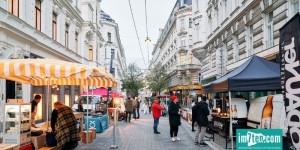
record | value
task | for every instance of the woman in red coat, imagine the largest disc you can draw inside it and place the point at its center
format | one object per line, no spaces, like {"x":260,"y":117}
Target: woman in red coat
{"x":156,"y":111}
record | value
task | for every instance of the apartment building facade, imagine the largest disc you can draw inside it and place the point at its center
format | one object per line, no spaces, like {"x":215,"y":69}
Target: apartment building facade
{"x":112,"y":46}
{"x":174,"y":49}
{"x":231,"y":31}
{"x":62,"y":30}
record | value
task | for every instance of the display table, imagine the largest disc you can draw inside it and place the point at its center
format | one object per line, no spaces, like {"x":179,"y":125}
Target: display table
{"x":79,"y":115}
{"x":9,"y":147}
{"x":221,"y":125}
{"x":48,"y":148}
{"x":39,"y":141}
{"x":100,"y":123}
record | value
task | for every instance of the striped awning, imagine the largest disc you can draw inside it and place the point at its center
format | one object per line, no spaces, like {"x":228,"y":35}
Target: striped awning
{"x":38,"y":72}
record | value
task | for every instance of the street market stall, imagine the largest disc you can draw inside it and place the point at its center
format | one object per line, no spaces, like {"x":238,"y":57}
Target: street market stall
{"x":256,"y":74}
{"x":39,"y":72}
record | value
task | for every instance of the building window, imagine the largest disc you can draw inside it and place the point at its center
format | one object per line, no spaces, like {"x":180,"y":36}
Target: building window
{"x":250,"y":41}
{"x":191,"y":58}
{"x":54,"y":27}
{"x":181,"y":3}
{"x":190,"y":40}
{"x":209,"y":25}
{"x":90,"y":52}
{"x":67,"y":36}
{"x":190,"y":22}
{"x":182,"y":23}
{"x":183,"y":59}
{"x":197,"y":5}
{"x":294,"y":7}
{"x":76,"y":42}
{"x":112,"y":53}
{"x":270,"y":30}
{"x":67,"y":100}
{"x":14,"y":7}
{"x":236,"y":49}
{"x":182,"y":41}
{"x":37,"y":15}
{"x":197,"y":32}
{"x":109,"y":37}
{"x":225,"y":9}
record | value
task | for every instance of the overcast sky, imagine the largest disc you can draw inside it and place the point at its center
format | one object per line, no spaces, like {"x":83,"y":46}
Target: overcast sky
{"x":158,"y":13}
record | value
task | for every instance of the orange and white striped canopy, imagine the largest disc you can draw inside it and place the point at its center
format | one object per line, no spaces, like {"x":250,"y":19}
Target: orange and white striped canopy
{"x":38,"y":72}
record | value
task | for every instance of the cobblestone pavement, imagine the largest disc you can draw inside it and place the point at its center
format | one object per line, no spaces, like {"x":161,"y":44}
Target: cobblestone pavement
{"x":138,"y":135}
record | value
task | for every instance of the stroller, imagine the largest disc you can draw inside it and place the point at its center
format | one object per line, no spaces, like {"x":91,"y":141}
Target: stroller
{"x":164,"y":113}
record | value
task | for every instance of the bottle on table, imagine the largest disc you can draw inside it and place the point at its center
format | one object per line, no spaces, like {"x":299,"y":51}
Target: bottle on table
{"x":266,"y":118}
{"x":235,"y":112}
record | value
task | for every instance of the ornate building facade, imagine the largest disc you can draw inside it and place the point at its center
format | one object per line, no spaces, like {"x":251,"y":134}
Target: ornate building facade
{"x":231,"y":31}
{"x":64,"y":30}
{"x":173,"y":49}
{"x":112,"y":45}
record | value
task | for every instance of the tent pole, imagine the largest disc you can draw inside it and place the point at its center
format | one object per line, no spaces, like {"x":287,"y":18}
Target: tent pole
{"x":87,"y":114}
{"x":230,"y":126}
{"x":48,"y":95}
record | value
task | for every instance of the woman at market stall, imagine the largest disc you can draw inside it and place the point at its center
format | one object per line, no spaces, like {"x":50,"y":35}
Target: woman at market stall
{"x":80,"y":106}
{"x":174,"y":118}
{"x":63,"y":123}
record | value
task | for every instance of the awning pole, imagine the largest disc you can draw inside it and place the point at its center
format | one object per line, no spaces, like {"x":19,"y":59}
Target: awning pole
{"x":48,"y":95}
{"x":87,"y":114}
{"x":230,"y":130}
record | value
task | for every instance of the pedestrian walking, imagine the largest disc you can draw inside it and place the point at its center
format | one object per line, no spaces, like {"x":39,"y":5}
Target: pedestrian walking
{"x":134,"y":107}
{"x":194,"y":116}
{"x":150,"y":105}
{"x":138,"y":108}
{"x":202,"y":121}
{"x":128,"y":109}
{"x":174,"y":118}
{"x":145,"y":105}
{"x":63,"y":119}
{"x":156,"y":109}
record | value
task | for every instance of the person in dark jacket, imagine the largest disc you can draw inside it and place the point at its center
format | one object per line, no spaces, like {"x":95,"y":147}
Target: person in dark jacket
{"x":80,"y":106}
{"x":194,"y":116}
{"x":34,"y":107}
{"x":138,"y":108}
{"x":128,"y":109}
{"x":202,"y":120}
{"x":174,"y":118}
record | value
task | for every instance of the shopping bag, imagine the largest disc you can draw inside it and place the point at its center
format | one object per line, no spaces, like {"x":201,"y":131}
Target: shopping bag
{"x":50,"y":139}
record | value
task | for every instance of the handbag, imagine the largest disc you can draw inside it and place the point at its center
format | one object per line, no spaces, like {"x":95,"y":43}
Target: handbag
{"x":50,"y":139}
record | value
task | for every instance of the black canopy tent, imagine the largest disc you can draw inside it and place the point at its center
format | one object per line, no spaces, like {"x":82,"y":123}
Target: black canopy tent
{"x":256,"y":74}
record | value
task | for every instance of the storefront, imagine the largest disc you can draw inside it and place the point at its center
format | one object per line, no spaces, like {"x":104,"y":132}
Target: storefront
{"x":186,"y":93}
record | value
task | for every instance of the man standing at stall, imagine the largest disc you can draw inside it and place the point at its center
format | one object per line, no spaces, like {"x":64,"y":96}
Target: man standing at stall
{"x":156,"y":110}
{"x":34,"y":107}
{"x":202,"y":121}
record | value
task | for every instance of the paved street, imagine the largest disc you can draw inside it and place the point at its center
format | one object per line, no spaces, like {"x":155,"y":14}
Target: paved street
{"x":138,"y":135}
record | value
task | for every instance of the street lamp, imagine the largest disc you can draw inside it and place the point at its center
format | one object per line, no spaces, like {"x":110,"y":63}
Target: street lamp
{"x":147,"y":39}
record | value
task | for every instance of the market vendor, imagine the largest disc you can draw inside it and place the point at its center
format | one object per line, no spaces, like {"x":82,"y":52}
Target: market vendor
{"x":34,"y":105}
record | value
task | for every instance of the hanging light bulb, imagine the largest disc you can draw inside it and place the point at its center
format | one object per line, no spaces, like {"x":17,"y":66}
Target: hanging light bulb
{"x":147,"y":39}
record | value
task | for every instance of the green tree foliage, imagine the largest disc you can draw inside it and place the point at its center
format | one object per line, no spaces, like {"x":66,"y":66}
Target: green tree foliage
{"x":157,"y":79}
{"x":133,"y":81}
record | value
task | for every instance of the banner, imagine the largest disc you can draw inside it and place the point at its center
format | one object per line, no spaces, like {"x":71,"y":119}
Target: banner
{"x":290,"y":79}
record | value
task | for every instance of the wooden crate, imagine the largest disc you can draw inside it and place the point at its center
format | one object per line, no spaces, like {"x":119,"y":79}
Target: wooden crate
{"x":84,"y":135}
{"x":94,"y":132}
{"x":48,"y":148}
{"x":9,"y":147}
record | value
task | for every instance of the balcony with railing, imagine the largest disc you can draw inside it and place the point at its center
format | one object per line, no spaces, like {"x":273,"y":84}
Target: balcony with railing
{"x":185,"y":67}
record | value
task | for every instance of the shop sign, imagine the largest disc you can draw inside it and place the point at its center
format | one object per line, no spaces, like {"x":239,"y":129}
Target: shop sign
{"x":259,"y":139}
{"x":290,"y":78}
